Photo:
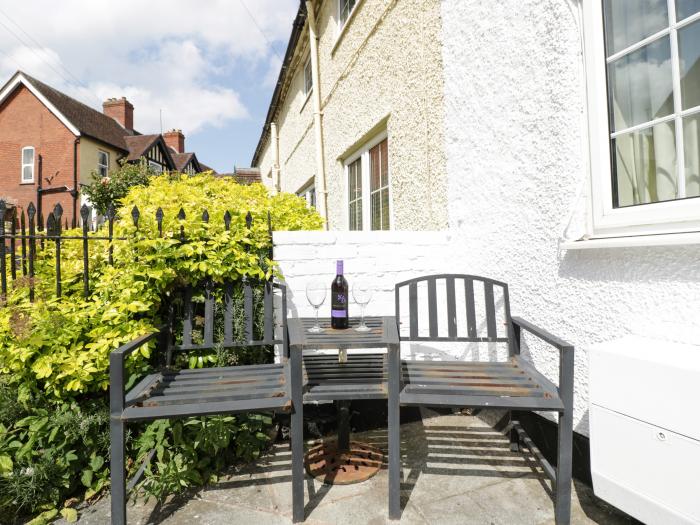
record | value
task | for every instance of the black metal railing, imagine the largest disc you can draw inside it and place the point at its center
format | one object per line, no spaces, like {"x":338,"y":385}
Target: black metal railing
{"x":28,"y":235}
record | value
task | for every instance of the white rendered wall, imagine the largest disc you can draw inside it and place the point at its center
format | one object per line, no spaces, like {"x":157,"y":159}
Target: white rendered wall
{"x":516,"y":163}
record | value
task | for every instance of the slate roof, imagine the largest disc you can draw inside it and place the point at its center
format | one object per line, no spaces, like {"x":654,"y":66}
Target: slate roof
{"x":246,"y":175}
{"x":181,"y":160}
{"x":138,"y":145}
{"x":89,"y":121}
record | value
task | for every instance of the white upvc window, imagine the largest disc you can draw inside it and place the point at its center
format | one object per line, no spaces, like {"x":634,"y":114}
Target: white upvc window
{"x":368,"y":189}
{"x":643,"y":86}
{"x":27,"y":174}
{"x":102,"y":163}
{"x":308,"y":79}
{"x":308,"y":193}
{"x":345,"y":8}
{"x":156,"y":167}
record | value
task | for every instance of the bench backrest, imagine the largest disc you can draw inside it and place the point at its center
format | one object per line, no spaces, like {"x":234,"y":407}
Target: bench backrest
{"x":453,"y":308}
{"x":223,"y":307}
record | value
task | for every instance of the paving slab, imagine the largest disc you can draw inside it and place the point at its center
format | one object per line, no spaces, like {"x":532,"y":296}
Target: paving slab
{"x":456,"y":469}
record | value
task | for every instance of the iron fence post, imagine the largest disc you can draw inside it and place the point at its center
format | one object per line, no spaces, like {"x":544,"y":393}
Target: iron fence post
{"x":31,"y":214}
{"x":23,"y":229}
{"x":56,"y":215}
{"x":84,"y":215}
{"x":3,"y":262}
{"x":13,"y":246}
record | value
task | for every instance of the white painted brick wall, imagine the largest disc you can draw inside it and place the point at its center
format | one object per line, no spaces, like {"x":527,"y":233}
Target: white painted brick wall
{"x":382,"y":258}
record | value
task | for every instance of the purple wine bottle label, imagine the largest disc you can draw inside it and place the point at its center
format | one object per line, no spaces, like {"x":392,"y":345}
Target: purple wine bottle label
{"x":339,"y":306}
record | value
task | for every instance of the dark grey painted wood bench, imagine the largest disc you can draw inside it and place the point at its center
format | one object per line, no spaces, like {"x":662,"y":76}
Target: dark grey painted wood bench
{"x":514,"y":384}
{"x":175,"y":393}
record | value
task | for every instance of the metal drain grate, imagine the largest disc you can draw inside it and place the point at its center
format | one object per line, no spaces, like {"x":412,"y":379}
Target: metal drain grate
{"x":343,"y":467}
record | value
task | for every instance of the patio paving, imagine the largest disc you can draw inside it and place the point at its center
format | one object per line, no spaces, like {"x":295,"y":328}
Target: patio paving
{"x":470,"y":476}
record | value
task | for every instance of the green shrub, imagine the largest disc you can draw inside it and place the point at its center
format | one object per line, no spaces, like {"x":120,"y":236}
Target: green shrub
{"x":54,"y":353}
{"x":103,"y":191}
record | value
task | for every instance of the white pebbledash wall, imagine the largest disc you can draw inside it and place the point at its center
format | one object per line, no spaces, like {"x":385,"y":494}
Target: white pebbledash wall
{"x":517,"y":168}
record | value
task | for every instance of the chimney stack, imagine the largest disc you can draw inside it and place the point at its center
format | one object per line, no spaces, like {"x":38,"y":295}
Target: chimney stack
{"x":120,"y":110}
{"x":175,"y":140}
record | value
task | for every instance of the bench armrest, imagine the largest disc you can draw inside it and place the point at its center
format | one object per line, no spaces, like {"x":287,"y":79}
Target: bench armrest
{"x":116,"y":371}
{"x":566,"y":357}
{"x":543,"y":334}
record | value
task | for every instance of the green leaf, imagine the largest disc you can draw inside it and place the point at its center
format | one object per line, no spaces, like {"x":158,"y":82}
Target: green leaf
{"x":70,"y":515}
{"x":86,"y":478}
{"x":5,"y":465}
{"x":96,"y":463}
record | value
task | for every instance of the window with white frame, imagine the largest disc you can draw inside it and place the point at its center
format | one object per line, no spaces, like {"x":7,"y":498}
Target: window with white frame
{"x":354,"y":174}
{"x":103,"y":163}
{"x":308,"y":79}
{"x":368,"y":192}
{"x":308,"y":193}
{"x":345,"y":7}
{"x":27,"y":175}
{"x":643,"y":60}
{"x":155,"y":166}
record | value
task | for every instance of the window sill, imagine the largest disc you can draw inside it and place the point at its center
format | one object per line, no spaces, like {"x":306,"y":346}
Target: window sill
{"x":662,"y":239}
{"x":343,"y":29}
{"x":26,"y":183}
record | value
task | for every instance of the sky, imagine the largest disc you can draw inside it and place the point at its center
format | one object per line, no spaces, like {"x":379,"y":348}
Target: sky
{"x":209,"y":66}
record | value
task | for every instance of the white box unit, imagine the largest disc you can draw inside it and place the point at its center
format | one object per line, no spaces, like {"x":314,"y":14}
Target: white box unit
{"x":645,"y":429}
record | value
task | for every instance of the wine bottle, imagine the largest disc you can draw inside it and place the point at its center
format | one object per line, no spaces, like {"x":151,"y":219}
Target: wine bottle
{"x":339,"y":299}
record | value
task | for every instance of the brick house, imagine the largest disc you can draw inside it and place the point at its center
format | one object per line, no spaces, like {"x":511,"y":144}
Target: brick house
{"x":51,"y":144}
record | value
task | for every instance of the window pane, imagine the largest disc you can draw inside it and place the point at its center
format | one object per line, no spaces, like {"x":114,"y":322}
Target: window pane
{"x":689,"y":52}
{"x":27,"y":173}
{"x":346,"y":7}
{"x":629,"y":21}
{"x":376,"y":211}
{"x":685,"y":8}
{"x":385,"y":162}
{"x":308,"y":80}
{"x":355,"y":195}
{"x":640,"y":85}
{"x":644,"y":166}
{"x":356,"y":215}
{"x":691,"y":145}
{"x":27,"y":156}
{"x":374,"y":169}
{"x":385,"y":209}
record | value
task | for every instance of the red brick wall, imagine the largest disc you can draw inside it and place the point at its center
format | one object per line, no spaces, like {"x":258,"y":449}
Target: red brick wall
{"x":25,"y":121}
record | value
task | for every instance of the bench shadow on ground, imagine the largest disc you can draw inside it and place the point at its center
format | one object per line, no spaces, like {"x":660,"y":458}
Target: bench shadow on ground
{"x":447,"y":457}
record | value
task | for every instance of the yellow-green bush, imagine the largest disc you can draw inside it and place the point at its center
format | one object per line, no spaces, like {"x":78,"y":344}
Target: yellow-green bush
{"x":61,"y":345}
{"x":55,"y":352}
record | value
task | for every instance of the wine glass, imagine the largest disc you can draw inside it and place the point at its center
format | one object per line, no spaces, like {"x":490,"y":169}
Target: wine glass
{"x":362,"y":293}
{"x":316,"y":295}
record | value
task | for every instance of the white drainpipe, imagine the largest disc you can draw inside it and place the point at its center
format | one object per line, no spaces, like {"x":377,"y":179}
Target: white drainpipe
{"x":320,"y":181}
{"x":276,"y":180}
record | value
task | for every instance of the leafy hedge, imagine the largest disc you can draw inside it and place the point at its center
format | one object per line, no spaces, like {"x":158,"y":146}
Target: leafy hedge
{"x":54,"y":354}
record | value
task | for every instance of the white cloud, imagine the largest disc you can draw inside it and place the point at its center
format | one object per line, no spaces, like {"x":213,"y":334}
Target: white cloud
{"x":176,"y":56}
{"x":273,"y":71}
